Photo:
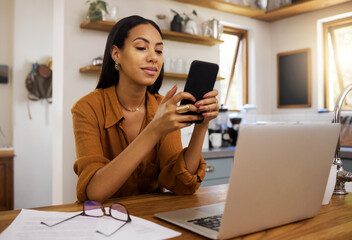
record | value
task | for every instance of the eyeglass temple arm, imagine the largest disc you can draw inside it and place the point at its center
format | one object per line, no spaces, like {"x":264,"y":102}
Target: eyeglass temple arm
{"x":108,"y":235}
{"x":80,"y":214}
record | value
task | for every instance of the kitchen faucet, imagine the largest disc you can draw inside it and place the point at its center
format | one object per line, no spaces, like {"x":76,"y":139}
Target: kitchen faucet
{"x":343,"y":176}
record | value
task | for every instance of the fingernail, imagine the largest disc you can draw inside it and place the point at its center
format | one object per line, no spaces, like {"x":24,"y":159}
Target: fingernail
{"x":202,"y":108}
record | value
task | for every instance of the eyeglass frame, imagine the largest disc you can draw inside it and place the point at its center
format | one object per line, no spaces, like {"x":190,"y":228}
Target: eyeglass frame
{"x":83,"y":213}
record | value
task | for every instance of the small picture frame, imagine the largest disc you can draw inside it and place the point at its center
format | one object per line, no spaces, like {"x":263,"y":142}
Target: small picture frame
{"x":294,"y":79}
{"x":4,"y":74}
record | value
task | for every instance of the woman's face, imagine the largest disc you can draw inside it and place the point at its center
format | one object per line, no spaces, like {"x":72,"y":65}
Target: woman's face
{"x":141,"y":58}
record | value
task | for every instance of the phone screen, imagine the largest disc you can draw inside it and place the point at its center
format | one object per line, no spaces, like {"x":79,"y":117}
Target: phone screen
{"x":201,"y":80}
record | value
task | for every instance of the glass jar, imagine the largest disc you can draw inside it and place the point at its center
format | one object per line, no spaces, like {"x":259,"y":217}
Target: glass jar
{"x":249,"y":114}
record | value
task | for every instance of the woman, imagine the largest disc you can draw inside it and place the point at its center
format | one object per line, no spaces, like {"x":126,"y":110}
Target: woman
{"x":127,"y":136}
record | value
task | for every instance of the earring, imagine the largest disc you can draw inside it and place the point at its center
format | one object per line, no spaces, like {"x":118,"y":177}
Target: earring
{"x":117,"y":66}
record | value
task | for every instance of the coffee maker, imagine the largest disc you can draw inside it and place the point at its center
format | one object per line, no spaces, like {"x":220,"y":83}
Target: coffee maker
{"x":220,"y":130}
{"x":235,"y":120}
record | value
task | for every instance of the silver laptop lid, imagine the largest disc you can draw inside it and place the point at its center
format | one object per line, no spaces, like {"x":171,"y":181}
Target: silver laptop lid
{"x":279,"y":175}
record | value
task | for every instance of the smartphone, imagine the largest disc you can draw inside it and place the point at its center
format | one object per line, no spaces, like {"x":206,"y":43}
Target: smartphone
{"x":201,"y":80}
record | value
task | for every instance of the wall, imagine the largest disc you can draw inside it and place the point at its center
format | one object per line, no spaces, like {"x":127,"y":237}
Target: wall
{"x":32,"y":42}
{"x":75,"y":55}
{"x":45,"y":146}
{"x":6,"y":46}
{"x":294,"y":33}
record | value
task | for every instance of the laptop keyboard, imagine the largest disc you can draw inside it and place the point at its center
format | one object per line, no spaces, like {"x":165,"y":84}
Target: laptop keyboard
{"x":212,"y":222}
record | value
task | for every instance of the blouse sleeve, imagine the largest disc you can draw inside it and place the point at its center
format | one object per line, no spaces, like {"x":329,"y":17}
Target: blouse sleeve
{"x":90,"y":157}
{"x":174,"y":174}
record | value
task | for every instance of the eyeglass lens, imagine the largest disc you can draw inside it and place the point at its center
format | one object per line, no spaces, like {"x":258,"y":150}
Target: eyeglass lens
{"x":119,"y":212}
{"x":93,"y":208}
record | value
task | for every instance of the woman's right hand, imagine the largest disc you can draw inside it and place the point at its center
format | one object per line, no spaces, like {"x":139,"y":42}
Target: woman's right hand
{"x":167,"y":119}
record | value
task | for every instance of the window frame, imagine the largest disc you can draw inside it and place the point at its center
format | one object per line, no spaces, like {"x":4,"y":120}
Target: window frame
{"x":242,"y":34}
{"x":327,"y":28}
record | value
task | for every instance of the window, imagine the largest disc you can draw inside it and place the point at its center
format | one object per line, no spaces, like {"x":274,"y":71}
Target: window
{"x":234,"y":68}
{"x":338,"y":64}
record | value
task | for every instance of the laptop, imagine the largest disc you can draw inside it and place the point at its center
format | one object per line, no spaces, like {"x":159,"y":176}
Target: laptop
{"x":279,"y":176}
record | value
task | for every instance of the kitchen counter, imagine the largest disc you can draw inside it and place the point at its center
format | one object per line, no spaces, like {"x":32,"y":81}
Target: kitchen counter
{"x":219,"y":152}
{"x":346,"y":152}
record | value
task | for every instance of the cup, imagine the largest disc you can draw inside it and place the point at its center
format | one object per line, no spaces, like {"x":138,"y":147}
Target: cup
{"x":215,"y":139}
{"x":113,"y":14}
{"x":167,"y":64}
{"x":179,"y":65}
{"x":330,"y":186}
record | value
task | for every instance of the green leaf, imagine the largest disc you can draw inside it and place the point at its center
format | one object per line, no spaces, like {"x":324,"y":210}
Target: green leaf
{"x":96,"y":15}
{"x":102,"y":6}
{"x":176,"y":13}
{"x":93,"y":6}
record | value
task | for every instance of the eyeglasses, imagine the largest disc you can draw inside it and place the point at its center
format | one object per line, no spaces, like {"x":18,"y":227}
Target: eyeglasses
{"x":95,"y":209}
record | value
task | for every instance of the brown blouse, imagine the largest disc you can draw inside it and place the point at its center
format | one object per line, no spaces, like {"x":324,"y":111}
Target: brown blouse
{"x":100,"y":137}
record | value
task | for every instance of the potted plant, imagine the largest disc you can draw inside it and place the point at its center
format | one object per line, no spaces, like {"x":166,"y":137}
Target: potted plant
{"x":96,"y":9}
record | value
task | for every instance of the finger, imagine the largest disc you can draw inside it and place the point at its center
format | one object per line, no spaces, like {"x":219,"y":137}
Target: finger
{"x":207,"y":101}
{"x":186,"y":108}
{"x":212,"y":93}
{"x":189,"y":118}
{"x":209,"y":108}
{"x":182,"y":109}
{"x":170,"y":94}
{"x":183,"y":95}
{"x":210,"y":114}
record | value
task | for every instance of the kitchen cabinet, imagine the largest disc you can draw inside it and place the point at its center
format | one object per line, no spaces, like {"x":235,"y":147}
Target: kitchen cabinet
{"x":219,"y":164}
{"x":6,"y":179}
{"x":218,"y":171}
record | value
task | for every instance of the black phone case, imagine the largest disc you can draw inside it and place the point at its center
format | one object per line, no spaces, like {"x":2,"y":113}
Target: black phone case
{"x":201,"y":80}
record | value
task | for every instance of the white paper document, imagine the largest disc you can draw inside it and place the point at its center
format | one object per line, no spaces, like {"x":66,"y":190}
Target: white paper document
{"x":27,"y":226}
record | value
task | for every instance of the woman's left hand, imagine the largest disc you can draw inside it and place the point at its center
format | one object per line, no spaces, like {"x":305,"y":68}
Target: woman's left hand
{"x":209,"y":106}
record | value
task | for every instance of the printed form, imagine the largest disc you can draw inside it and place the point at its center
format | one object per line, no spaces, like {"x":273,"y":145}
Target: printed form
{"x":27,"y":226}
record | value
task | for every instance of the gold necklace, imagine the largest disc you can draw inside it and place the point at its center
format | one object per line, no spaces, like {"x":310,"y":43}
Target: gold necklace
{"x":130,"y":109}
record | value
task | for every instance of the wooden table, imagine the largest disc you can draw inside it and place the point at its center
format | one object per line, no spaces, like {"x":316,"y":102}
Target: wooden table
{"x":333,"y":222}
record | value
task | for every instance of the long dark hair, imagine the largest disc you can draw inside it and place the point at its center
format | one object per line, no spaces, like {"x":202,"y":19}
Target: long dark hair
{"x":117,"y":36}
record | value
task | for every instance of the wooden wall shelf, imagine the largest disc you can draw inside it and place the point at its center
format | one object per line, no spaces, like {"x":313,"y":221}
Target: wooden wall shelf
{"x":105,"y":26}
{"x":90,"y":69}
{"x":189,"y":38}
{"x":168,"y":35}
{"x":299,"y":7}
{"x":183,"y":76}
{"x":177,"y":76}
{"x":302,"y":6}
{"x":223,"y":6}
